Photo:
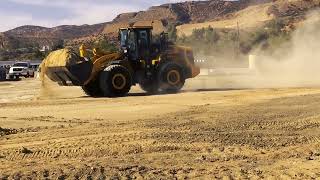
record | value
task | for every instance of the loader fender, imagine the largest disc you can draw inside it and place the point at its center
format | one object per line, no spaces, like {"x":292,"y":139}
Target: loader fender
{"x":101,"y":63}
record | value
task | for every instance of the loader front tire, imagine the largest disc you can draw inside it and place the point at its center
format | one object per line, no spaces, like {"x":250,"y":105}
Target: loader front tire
{"x":115,"y":81}
{"x":170,"y":77}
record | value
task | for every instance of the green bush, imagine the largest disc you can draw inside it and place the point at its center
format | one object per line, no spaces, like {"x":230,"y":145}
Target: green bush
{"x":58,"y":45}
{"x":105,"y":46}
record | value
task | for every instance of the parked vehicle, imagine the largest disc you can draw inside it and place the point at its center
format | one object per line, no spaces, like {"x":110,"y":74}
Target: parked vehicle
{"x":21,"y":69}
{"x":2,"y":74}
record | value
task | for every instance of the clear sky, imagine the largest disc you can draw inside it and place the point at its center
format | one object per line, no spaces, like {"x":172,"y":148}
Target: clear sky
{"x":49,"y":13}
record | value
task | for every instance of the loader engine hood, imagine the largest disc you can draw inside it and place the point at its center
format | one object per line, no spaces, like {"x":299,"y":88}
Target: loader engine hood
{"x":66,"y":68}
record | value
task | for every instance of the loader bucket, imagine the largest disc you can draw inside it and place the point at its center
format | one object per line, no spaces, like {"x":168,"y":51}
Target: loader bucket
{"x":67,"y":68}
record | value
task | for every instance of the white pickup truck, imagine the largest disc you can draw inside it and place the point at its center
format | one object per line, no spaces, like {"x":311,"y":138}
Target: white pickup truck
{"x":2,"y":74}
{"x":21,"y":69}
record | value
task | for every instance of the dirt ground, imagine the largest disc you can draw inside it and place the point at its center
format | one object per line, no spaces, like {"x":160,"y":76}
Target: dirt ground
{"x":203,"y":133}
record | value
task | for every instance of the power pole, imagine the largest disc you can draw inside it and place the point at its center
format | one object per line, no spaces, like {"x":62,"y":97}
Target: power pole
{"x":238,"y":39}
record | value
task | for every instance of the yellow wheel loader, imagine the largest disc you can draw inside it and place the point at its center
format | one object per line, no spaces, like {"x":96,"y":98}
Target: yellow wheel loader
{"x":155,"y":65}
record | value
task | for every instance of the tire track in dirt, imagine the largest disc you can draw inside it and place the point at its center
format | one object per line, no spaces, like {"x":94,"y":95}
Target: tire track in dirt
{"x":252,"y":125}
{"x":77,"y":144}
{"x":212,"y":140}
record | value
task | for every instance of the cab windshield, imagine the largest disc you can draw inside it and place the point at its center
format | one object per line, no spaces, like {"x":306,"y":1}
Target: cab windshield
{"x":123,"y":37}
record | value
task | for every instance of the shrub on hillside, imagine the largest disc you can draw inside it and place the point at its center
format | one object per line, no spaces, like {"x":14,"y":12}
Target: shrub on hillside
{"x":218,"y":42}
{"x":105,"y":45}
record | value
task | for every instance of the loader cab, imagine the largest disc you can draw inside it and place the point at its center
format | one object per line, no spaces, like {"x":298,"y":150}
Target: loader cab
{"x":135,"y":42}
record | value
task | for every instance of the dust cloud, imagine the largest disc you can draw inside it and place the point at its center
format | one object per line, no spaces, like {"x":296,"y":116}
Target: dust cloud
{"x":295,"y":64}
{"x":47,"y":88}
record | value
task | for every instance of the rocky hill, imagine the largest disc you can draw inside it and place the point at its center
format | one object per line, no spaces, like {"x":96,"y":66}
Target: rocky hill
{"x":181,"y":13}
{"x":35,"y":36}
{"x":187,"y":15}
{"x":177,"y":13}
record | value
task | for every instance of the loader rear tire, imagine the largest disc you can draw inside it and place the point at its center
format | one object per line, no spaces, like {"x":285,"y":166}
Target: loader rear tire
{"x":92,"y":89}
{"x":115,"y":81}
{"x":171,"y":77}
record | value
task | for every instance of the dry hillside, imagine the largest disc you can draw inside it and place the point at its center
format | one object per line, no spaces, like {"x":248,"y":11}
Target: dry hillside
{"x":26,"y":36}
{"x":256,"y":15}
{"x":249,"y":17}
{"x":189,"y":15}
{"x":177,"y":13}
